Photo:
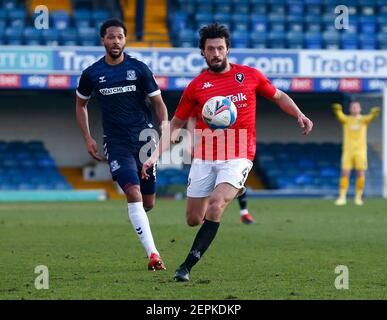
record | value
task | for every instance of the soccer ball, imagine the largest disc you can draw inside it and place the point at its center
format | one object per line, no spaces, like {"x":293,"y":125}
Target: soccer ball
{"x":219,"y":112}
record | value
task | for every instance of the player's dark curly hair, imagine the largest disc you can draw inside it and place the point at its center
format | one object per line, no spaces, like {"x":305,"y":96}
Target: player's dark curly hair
{"x":213,"y":31}
{"x":111,"y":23}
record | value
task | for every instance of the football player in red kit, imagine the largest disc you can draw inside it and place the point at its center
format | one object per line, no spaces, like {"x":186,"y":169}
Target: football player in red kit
{"x":219,"y":170}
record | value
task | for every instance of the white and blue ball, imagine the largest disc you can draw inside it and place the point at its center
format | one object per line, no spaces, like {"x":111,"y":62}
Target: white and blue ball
{"x":219,"y":112}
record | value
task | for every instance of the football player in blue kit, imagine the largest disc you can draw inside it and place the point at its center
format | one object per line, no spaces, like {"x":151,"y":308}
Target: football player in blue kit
{"x":122,"y":85}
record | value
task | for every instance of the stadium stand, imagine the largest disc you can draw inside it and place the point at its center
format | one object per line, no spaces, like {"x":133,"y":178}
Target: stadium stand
{"x":311,"y":167}
{"x":294,"y":24}
{"x":29,"y":166}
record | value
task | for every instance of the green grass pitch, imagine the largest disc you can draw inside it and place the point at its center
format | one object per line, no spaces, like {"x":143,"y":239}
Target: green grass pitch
{"x":292,"y":251}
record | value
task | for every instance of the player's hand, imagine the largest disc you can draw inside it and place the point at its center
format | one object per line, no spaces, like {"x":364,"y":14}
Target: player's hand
{"x":147,"y":164}
{"x":305,"y":123}
{"x":375,"y":110}
{"x":337,"y":106}
{"x":92,"y":149}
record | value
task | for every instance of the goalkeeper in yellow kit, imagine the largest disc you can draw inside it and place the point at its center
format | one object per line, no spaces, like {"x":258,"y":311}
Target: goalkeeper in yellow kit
{"x":354,"y":154}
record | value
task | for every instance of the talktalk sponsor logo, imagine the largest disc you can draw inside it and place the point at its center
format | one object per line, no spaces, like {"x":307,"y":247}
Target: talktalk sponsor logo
{"x":302,"y":84}
{"x":239,"y":97}
{"x":350,"y":84}
{"x":10,"y":80}
{"x":58,"y":81}
{"x":162,"y":82}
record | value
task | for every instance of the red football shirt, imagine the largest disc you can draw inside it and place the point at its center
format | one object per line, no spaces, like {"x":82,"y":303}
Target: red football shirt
{"x":240,"y":85}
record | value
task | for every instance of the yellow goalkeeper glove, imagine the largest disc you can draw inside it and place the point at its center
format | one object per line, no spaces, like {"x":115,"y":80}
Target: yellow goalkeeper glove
{"x":375,"y":110}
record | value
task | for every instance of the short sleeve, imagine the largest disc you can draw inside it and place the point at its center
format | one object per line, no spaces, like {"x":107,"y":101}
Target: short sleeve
{"x":149,"y":82}
{"x":85,"y":87}
{"x":264,"y":87}
{"x":186,"y":105}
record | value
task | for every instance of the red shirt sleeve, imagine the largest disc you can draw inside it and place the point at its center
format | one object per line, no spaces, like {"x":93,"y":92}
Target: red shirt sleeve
{"x":264,"y":88}
{"x":186,"y":105}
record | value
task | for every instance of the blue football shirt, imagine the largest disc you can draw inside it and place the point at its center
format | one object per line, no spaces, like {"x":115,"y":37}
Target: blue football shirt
{"x":121,"y":91}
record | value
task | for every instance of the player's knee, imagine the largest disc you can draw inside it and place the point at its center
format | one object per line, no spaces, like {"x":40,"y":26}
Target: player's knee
{"x":194,"y":221}
{"x":148,"y":207}
{"x":216,"y":208}
{"x":133,"y":193}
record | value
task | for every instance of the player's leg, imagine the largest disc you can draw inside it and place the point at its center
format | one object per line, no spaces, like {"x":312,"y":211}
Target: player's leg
{"x":124,"y":170}
{"x":223,"y":194}
{"x":360,"y":167}
{"x":230,"y":179}
{"x":346,"y":166}
{"x":246,"y":217}
{"x":196,"y":210}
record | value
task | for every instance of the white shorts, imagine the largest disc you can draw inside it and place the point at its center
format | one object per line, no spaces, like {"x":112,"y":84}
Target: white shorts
{"x":205,"y":175}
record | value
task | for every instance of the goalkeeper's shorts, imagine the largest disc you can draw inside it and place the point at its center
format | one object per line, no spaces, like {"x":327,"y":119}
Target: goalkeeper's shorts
{"x":354,"y":160}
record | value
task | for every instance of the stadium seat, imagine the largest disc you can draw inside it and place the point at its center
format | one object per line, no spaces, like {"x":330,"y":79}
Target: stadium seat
{"x":202,"y":19}
{"x":259,"y":23}
{"x":186,"y":38}
{"x":223,"y":18}
{"x":313,"y":23}
{"x":295,"y":22}
{"x":240,"y":22}
{"x":331,"y":40}
{"x":349,"y":41}
{"x":82,"y":18}
{"x":241,"y":39}
{"x":382,"y":22}
{"x":98,"y":16}
{"x":60,"y":19}
{"x":223,"y":6}
{"x":88,"y":36}
{"x":69,"y":37}
{"x":13,"y":35}
{"x":17,"y":17}
{"x":367,"y":24}
{"x":32,"y":36}
{"x":258,"y":40}
{"x":294,"y":40}
{"x":276,"y":39}
{"x":241,"y":6}
{"x":205,"y":6}
{"x":50,"y":37}
{"x":382,"y":41}
{"x":313,"y":40}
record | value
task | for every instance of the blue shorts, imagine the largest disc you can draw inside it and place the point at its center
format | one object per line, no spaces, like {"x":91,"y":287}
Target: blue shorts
{"x":125,"y":168}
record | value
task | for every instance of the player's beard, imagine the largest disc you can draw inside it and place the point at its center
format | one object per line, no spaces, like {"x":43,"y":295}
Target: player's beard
{"x":219,"y":68}
{"x":115,"y":55}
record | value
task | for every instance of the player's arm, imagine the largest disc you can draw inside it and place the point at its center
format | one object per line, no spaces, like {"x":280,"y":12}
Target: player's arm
{"x":338,"y":111}
{"x":375,"y":111}
{"x":170,"y":131}
{"x":82,"y":116}
{"x":160,"y":110}
{"x":289,"y":106}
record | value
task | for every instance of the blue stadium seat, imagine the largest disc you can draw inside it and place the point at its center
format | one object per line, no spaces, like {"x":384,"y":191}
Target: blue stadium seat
{"x":313,"y":23}
{"x":276,"y":39}
{"x":313,"y":40}
{"x":294,"y":40}
{"x":241,"y":6}
{"x":349,"y":41}
{"x":296,"y":7}
{"x":178,"y":20}
{"x":203,"y":18}
{"x":331,"y":39}
{"x":259,"y":23}
{"x":258,"y":7}
{"x":382,"y":41}
{"x":223,"y":6}
{"x":32,"y":36}
{"x":99,"y":16}
{"x":223,"y":18}
{"x":13,"y":35}
{"x":88,"y":36}
{"x":69,"y":37}
{"x":50,"y":37}
{"x":82,"y":18}
{"x":17,"y":17}
{"x":240,"y":39}
{"x":186,"y":38}
{"x":204,"y":6}
{"x":240,"y":22}
{"x":314,"y":9}
{"x":60,"y":19}
{"x":368,"y":24}
{"x":295,"y":22}
{"x":382,"y":22}
{"x":188,"y":6}
{"x":258,"y":40}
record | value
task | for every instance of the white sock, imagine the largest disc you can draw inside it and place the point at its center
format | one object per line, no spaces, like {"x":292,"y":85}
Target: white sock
{"x":140,"y":223}
{"x":243,"y":212}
